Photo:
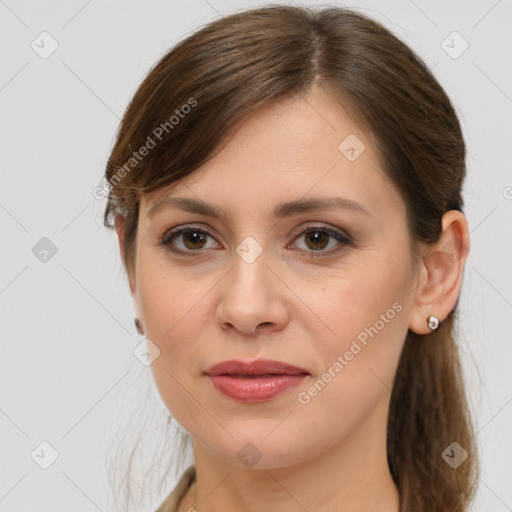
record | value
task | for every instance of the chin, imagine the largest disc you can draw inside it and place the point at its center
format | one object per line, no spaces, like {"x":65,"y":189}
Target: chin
{"x":259,"y":445}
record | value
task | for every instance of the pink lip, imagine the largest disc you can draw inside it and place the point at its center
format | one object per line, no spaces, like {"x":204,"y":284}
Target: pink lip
{"x":258,"y":381}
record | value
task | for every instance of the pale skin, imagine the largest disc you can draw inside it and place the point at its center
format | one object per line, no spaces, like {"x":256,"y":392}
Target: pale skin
{"x":288,"y":305}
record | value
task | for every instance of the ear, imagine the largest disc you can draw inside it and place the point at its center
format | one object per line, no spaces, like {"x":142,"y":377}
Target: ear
{"x":120,"y":230}
{"x":440,"y":273}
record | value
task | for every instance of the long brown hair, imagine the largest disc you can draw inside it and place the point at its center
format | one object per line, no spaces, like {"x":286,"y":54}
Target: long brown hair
{"x":185,"y":110}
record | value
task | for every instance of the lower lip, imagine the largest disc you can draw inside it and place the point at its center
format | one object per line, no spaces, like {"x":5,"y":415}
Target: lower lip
{"x":255,"y":389}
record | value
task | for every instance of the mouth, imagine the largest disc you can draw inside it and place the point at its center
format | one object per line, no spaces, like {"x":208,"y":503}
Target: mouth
{"x":258,"y":381}
{"x":258,"y":368}
{"x":243,"y":376}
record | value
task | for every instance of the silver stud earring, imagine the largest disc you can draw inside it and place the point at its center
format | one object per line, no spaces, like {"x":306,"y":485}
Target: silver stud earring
{"x":432,"y":322}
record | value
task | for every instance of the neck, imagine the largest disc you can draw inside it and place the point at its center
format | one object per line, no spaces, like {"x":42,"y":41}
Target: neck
{"x":351,"y":476}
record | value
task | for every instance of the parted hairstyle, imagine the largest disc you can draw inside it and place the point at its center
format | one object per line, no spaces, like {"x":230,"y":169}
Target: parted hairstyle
{"x":185,"y":110}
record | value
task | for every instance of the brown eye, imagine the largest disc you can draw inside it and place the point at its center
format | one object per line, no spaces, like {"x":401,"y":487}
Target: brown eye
{"x":317,"y":240}
{"x":193,"y":239}
{"x":186,"y":241}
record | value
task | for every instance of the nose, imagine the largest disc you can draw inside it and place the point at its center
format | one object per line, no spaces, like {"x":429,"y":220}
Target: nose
{"x":253,"y":298}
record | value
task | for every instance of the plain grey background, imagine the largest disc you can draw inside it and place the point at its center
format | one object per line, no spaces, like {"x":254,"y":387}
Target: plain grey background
{"x":67,"y":333}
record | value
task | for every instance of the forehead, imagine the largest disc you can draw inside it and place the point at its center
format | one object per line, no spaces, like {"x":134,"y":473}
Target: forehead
{"x":304,"y":146}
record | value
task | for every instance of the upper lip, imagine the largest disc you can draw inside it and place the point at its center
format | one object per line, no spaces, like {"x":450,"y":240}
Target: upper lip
{"x":258,"y":367}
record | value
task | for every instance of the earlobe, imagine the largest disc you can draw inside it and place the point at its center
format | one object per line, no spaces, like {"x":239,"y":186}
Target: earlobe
{"x":440,"y":278}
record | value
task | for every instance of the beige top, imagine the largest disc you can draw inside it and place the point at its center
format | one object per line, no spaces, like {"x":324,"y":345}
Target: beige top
{"x":172,"y":501}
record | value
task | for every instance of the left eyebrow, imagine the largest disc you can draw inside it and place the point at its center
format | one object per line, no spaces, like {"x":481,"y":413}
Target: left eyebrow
{"x":281,"y":210}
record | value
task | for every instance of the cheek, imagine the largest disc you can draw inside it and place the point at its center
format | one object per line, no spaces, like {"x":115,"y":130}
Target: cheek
{"x":171,"y":302}
{"x":359,"y":361}
{"x":366,"y":312}
{"x":173,"y":308}
{"x":351,"y":303}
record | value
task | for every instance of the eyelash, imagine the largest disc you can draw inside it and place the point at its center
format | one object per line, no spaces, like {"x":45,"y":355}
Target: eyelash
{"x":345,"y":240}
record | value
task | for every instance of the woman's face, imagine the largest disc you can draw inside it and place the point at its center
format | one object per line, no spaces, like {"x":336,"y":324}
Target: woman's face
{"x":334,"y":301}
